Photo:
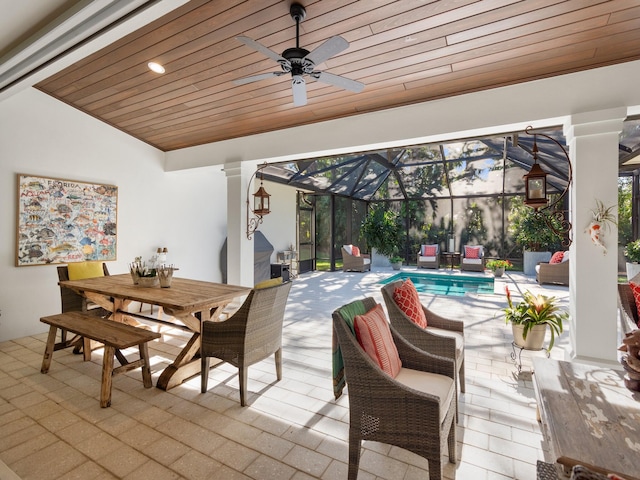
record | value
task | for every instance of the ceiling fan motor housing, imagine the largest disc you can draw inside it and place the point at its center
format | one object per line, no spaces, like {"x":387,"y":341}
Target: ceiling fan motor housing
{"x":298,"y":65}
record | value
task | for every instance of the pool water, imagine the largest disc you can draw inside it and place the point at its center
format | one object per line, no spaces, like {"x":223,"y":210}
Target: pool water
{"x":443,"y":284}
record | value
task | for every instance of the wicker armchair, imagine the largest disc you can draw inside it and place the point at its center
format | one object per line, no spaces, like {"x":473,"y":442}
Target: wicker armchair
{"x":555,"y":273}
{"x":251,"y":334}
{"x":627,"y":308}
{"x":429,"y":262}
{"x":472,"y":264}
{"x":549,"y":471}
{"x":443,"y":337}
{"x":384,"y":409}
{"x":354,"y":263}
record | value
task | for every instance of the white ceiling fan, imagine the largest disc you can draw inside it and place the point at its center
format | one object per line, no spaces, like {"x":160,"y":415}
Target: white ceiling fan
{"x":299,"y":62}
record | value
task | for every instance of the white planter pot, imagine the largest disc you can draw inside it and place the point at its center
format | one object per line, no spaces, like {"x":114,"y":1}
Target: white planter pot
{"x":535,"y":337}
{"x":633,"y":269}
{"x":379,"y":260}
{"x":531,"y":259}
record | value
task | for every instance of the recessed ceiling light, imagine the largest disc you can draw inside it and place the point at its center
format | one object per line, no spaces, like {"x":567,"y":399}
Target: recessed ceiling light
{"x":155,"y":67}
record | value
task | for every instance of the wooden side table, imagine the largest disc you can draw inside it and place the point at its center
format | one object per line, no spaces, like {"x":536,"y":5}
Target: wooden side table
{"x":451,"y":258}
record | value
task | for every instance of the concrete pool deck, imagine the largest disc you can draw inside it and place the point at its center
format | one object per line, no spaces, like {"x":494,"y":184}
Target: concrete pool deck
{"x":53,"y":426}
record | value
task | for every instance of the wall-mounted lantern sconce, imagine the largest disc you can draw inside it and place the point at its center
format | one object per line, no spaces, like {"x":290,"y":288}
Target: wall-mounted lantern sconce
{"x":536,"y":191}
{"x":260,"y":204}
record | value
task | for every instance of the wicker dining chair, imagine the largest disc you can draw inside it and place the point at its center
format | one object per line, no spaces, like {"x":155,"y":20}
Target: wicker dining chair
{"x":72,"y":301}
{"x":443,"y":336}
{"x":251,"y":334}
{"x":384,"y":409}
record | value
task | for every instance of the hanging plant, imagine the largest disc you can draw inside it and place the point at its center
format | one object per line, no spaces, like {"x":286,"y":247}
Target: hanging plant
{"x":602,"y":216}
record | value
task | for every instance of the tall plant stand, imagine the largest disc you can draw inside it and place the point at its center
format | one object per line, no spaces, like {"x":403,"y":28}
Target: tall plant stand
{"x":534,"y":342}
{"x":516,"y":354}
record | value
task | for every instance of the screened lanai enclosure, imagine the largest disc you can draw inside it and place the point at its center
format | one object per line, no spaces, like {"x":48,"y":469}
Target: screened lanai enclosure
{"x":466,"y":191}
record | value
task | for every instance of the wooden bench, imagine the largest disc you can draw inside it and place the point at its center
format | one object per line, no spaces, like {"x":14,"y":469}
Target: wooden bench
{"x":114,"y":335}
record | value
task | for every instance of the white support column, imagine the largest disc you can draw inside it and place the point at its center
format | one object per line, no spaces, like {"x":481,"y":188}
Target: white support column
{"x":239,"y":248}
{"x":592,"y":138}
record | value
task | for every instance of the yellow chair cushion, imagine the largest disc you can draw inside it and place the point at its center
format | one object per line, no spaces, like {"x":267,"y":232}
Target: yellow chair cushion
{"x":273,"y":282}
{"x":81,"y":270}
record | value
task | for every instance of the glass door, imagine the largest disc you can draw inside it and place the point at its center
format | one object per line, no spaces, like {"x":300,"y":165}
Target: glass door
{"x":306,"y":235}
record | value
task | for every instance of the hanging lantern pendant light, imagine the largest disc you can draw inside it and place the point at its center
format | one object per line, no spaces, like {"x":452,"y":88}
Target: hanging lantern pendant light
{"x":535,"y":183}
{"x":261,"y":205}
{"x":261,"y":200}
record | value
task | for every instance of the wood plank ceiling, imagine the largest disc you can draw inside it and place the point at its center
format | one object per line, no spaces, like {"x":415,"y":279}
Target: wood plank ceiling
{"x":404,"y":51}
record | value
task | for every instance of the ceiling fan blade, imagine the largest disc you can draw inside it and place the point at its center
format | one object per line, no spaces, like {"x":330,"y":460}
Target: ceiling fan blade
{"x":261,"y":48}
{"x":338,"y":81}
{"x":328,"y":49}
{"x":299,"y":90}
{"x":256,"y":78}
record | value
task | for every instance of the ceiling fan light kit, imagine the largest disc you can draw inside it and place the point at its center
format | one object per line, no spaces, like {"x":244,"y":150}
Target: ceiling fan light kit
{"x":299,"y":62}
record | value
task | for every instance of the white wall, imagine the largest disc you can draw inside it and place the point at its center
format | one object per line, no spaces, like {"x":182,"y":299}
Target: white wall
{"x":184,"y":211}
{"x":280,"y":225}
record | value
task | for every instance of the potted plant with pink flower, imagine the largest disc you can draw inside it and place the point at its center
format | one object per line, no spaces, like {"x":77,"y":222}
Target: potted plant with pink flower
{"x":530,"y":317}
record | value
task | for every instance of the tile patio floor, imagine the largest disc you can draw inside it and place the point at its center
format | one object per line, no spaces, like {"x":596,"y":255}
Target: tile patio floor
{"x":53,"y":428}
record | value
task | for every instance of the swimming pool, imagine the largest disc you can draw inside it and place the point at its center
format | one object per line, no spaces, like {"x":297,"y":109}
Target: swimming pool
{"x":444,"y":284}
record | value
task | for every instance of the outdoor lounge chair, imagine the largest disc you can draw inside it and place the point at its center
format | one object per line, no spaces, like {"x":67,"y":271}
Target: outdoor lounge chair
{"x":443,"y":337}
{"x":425,"y":257}
{"x":251,"y":334}
{"x":415,"y":410}
{"x":554,"y":273}
{"x":548,"y":471}
{"x":355,"y":263}
{"x":472,"y":258}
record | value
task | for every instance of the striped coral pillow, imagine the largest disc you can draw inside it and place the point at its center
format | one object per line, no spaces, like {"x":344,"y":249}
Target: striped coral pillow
{"x":407,"y":298}
{"x":355,"y":251}
{"x":374,"y":336}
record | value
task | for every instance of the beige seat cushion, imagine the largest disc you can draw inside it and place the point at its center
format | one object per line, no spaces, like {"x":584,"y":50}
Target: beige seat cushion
{"x":448,"y":333}
{"x":472,"y":261}
{"x":440,"y":386}
{"x":427,"y":259}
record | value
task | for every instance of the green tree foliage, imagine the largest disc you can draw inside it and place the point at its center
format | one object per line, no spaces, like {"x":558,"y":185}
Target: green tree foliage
{"x":530,"y":228}
{"x":382,"y":230}
{"x":475,"y":230}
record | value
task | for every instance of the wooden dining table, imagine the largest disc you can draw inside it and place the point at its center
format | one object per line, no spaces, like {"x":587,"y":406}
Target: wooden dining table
{"x":588,"y":417}
{"x":189,"y":302}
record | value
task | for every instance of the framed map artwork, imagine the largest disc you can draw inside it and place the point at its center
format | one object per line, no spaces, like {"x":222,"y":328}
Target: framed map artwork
{"x":63,"y":221}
